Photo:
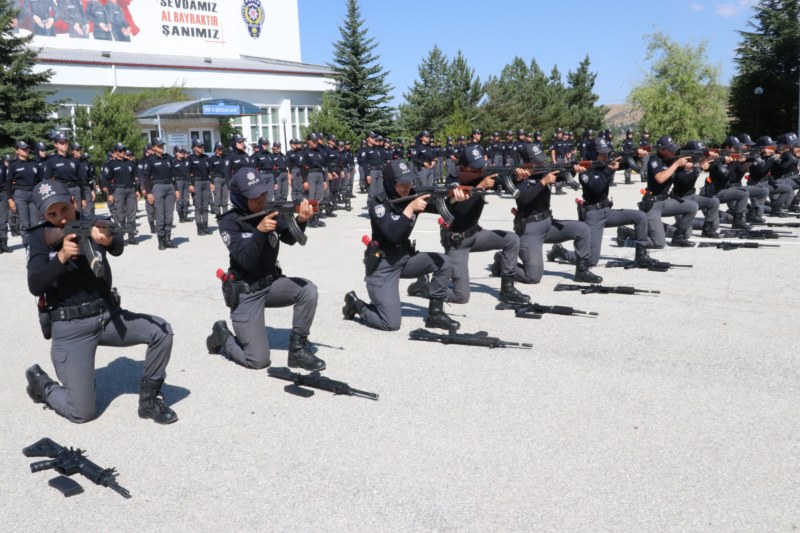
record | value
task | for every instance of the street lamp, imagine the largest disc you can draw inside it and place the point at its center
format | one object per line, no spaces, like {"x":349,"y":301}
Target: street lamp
{"x":285,"y":138}
{"x":758,"y":92}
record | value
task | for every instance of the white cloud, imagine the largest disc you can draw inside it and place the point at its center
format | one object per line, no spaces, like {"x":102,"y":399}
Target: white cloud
{"x":696,"y":7}
{"x":732,"y":9}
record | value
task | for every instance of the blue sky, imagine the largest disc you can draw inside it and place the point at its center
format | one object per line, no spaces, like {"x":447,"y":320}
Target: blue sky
{"x":491,"y":33}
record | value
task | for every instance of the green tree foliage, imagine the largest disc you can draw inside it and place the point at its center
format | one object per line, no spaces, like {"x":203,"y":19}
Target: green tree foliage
{"x":112,"y":119}
{"x":361,"y":92}
{"x":24,"y":110}
{"x":681,"y":95}
{"x":327,"y":119}
{"x":581,"y":101}
{"x":768,"y":56}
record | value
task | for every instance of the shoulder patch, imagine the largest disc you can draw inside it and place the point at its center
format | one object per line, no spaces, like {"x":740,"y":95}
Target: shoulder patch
{"x":654,"y":164}
{"x":380,"y":210}
{"x":585,"y":178}
{"x":226,"y":238}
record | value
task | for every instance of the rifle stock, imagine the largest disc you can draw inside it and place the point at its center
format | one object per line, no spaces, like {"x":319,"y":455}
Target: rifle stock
{"x":286,"y":211}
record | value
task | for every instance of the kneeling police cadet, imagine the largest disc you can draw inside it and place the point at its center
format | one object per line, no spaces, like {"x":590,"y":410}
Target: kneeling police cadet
{"x":80,"y":311}
{"x":254,"y":280}
{"x":391,"y":256}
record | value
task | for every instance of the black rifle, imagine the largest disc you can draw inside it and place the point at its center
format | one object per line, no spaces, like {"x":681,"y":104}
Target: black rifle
{"x":440,"y":197}
{"x":601,"y":289}
{"x":316,"y":381}
{"x":726,"y":245}
{"x":481,"y":338}
{"x":760,"y":234}
{"x":508,"y":176}
{"x":780,"y":224}
{"x":68,"y":461}
{"x":534,"y":310}
{"x":653,"y":266}
{"x":82,"y":229}
{"x":286,"y":211}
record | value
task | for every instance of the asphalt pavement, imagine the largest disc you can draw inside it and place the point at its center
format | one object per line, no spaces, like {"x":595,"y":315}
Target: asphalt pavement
{"x":676,"y":411}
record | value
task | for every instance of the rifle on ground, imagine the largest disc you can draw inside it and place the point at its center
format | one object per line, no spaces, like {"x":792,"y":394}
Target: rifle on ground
{"x":82,"y":229}
{"x":727,"y":245}
{"x":68,"y":461}
{"x":316,"y":381}
{"x":780,"y":224}
{"x":481,"y":338}
{"x":534,"y":310}
{"x":440,"y":196}
{"x":286,"y":211}
{"x":760,"y":234}
{"x":601,"y":289}
{"x":653,"y":266}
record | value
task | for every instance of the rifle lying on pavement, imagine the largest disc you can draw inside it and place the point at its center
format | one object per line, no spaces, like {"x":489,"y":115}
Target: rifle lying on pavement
{"x":533,"y":310}
{"x":725,"y":245}
{"x":316,"y":381}
{"x":286,"y":211}
{"x":653,"y":266}
{"x":760,"y":234}
{"x":68,"y":461}
{"x":481,"y":338}
{"x":601,"y":289}
{"x":779,"y":224}
{"x":82,"y":229}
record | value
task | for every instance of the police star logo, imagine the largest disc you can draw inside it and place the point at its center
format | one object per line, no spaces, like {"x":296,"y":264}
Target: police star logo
{"x":252,"y":179}
{"x":46,"y":191}
{"x":253,"y":17}
{"x":476,"y":153}
{"x":380,"y":211}
{"x":403,"y":167}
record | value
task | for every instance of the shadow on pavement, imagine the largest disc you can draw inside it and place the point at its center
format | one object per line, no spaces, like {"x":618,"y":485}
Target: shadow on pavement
{"x":123,"y":376}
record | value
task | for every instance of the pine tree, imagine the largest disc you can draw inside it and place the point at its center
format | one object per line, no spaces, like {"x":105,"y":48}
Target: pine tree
{"x":768,"y":56}
{"x":426,"y":104}
{"x":327,"y":119}
{"x":581,"y":101}
{"x":361,"y":92}
{"x":24,"y":109}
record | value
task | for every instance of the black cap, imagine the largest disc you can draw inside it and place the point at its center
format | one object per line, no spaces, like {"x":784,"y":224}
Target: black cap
{"x":693,"y":146}
{"x":476,"y":131}
{"x":379,"y":138}
{"x":312,"y":137}
{"x":589,"y":133}
{"x":276,"y":144}
{"x":237,"y":138}
{"x":158,"y":141}
{"x":332,"y":137}
{"x":399,"y":171}
{"x":745,"y":139}
{"x":7,"y":157}
{"x":41,"y":147}
{"x":559,"y":130}
{"x":372,"y":135}
{"x":340,"y":143}
{"x":602,"y":146}
{"x":628,"y":131}
{"x":60,"y":138}
{"x":128,"y":153}
{"x":665,"y":142}
{"x":788,"y":138}
{"x":537,"y":133}
{"x":77,"y":146}
{"x":197,"y":142}
{"x":765,"y":140}
{"x":49,"y":192}
{"x":731,"y":142}
{"x":496,"y":134}
{"x":509,"y":132}
{"x":263,"y":140}
{"x":472,"y":157}
{"x":22,"y":145}
{"x":646,"y":132}
{"x":247,"y":182}
{"x":219,"y":146}
{"x":532,"y":153}
{"x":179,"y":148}
{"x":461,"y":138}
{"x":119,"y":147}
{"x":449,"y":139}
{"x":520,"y":131}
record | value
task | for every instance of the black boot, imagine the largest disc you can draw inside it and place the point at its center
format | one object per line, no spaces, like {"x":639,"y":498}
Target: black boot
{"x":206,"y":230}
{"x":320,"y":224}
{"x":300,"y":354}
{"x":200,"y":231}
{"x":161,"y":244}
{"x":4,"y":249}
{"x":556,"y":252}
{"x":132,"y":239}
{"x":168,"y":241}
{"x":181,"y":217}
{"x":642,"y":258}
{"x":777,"y":211}
{"x":739,"y":222}
{"x":708,"y":230}
{"x":582,"y":273}
{"x":496,"y":268}
{"x":419,"y":287}
{"x":152,"y":228}
{"x":38,"y":383}
{"x":509,"y":294}
{"x":681,"y":241}
{"x":219,"y":336}
{"x":352,"y":305}
{"x":625,"y":235}
{"x":752,"y":215}
{"x":437,"y":318}
{"x":151,"y":402}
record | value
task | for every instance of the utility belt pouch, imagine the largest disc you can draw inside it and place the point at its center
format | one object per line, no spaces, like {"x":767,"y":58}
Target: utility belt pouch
{"x":372,"y":257}
{"x":230,"y":291}
{"x":581,"y":211}
{"x":647,"y":202}
{"x":44,"y":318}
{"x":519,"y":225}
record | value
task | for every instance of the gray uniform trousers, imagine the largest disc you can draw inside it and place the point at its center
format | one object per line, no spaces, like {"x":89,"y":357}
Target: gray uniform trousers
{"x":377,"y":182}
{"x":598,"y":219}
{"x":282,"y":187}
{"x":709,"y":205}
{"x":297,"y":185}
{"x":758,"y":200}
{"x":736,"y":196}
{"x":220,"y":201}
{"x":250,"y":345}
{"x":316,"y":185}
{"x":150,"y":211}
{"x":73,"y":351}
{"x":28,"y":214}
{"x":4,"y":215}
{"x":781,"y":193}
{"x":202,"y":199}
{"x":449,"y":168}
{"x":683,"y":211}
{"x":383,"y":285}
{"x":551,"y":231}
{"x":182,"y":205}
{"x":88,"y":211}
{"x":498,"y":160}
{"x":164,"y":206}
{"x":482,"y":241}
{"x":362,"y":177}
{"x":425,"y":177}
{"x":125,"y":208}
{"x":269,"y":179}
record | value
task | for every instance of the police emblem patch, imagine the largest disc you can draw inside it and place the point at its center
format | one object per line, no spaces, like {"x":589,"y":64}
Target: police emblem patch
{"x":380,"y":211}
{"x":226,"y":238}
{"x":253,"y":17}
{"x":584,"y":178}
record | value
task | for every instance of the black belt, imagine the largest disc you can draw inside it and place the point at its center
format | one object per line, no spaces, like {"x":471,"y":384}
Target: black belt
{"x":660,"y":197}
{"x":163,"y":182}
{"x":465,"y":234}
{"x":84,"y":310}
{"x":24,"y":187}
{"x":254,"y":286}
{"x":599,"y":205}
{"x":539,"y":216}
{"x":201,"y":179}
